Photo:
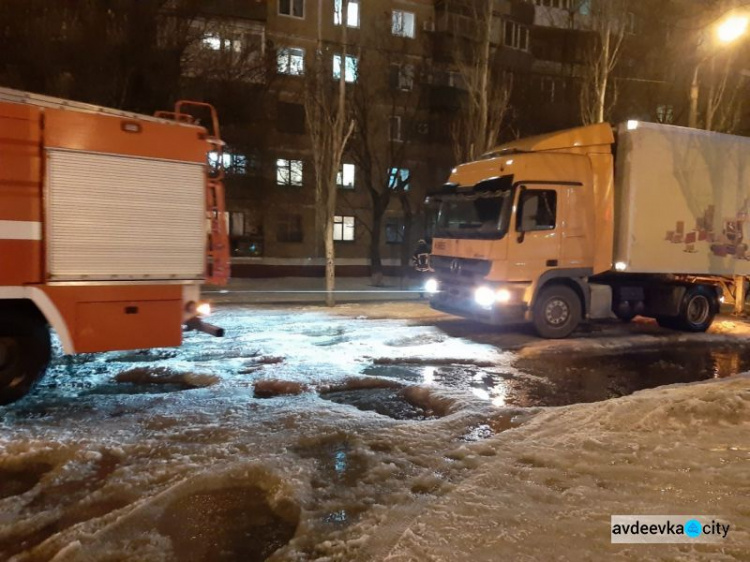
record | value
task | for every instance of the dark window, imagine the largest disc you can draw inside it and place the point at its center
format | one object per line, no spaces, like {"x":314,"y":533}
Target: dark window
{"x":294,"y":8}
{"x":537,"y":210}
{"x":289,"y":228}
{"x":290,"y":118}
{"x":394,"y":230}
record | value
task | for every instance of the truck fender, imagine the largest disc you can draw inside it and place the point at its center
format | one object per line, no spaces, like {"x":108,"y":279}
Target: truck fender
{"x":577,"y":278}
{"x":46,"y":307}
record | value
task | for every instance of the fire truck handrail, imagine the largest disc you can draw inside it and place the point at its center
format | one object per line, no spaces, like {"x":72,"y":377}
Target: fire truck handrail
{"x":22,"y":97}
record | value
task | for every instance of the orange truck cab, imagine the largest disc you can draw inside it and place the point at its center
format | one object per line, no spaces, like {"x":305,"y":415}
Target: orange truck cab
{"x":578,"y":224}
{"x":103,"y":230}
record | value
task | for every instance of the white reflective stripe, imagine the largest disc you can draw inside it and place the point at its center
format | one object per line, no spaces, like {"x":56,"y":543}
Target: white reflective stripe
{"x":47,"y":307}
{"x":20,"y":230}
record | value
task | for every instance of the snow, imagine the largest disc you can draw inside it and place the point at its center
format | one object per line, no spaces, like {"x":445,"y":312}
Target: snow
{"x":271,"y":440}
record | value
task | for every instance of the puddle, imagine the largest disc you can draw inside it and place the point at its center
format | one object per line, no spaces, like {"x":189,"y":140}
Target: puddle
{"x":230,"y":524}
{"x":559,"y":380}
{"x":562,"y":380}
{"x":390,"y":402}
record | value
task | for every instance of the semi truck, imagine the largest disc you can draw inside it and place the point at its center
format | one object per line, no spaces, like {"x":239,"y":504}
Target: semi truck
{"x":595,"y":222}
{"x":109,"y":223}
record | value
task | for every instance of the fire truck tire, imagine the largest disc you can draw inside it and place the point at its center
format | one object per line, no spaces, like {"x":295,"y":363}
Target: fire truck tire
{"x":557,"y":312}
{"x":24,"y":353}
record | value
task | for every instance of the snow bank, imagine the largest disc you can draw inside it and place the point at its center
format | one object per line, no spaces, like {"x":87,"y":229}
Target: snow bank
{"x":553,"y":484}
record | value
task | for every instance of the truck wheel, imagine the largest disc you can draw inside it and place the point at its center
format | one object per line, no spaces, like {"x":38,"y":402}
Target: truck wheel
{"x":557,"y":312}
{"x":24,"y":354}
{"x":697,"y":310}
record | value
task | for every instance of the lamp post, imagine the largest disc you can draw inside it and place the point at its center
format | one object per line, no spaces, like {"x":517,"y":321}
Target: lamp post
{"x":727,"y":32}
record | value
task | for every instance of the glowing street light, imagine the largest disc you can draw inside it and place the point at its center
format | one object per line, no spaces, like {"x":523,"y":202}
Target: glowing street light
{"x":732,"y":29}
{"x":727,"y":32}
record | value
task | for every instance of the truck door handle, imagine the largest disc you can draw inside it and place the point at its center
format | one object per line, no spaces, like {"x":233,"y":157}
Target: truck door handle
{"x":551,"y":263}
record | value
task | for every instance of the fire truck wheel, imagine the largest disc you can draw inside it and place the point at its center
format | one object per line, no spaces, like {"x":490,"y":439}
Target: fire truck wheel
{"x":24,"y":353}
{"x":557,"y":312}
{"x":698,"y":309}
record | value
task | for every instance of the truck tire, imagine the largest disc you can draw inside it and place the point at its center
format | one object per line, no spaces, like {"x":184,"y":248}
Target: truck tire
{"x":24,"y":353}
{"x":698,"y":309}
{"x":557,"y":312}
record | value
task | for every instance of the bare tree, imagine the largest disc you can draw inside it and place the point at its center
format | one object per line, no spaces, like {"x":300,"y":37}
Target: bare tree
{"x":477,"y":126}
{"x":386,"y":106}
{"x":329,"y":128}
{"x":609,"y":21}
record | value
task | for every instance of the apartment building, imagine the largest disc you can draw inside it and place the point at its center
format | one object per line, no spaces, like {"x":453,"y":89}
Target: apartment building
{"x":401,"y":62}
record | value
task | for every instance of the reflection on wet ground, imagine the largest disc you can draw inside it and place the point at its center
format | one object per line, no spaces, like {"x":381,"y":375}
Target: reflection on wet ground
{"x":558,"y":380}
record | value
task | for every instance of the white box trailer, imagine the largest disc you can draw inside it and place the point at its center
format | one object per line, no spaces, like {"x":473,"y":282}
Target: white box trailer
{"x":682,"y":201}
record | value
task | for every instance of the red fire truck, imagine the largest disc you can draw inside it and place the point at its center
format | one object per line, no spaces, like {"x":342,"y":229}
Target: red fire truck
{"x":103,"y":229}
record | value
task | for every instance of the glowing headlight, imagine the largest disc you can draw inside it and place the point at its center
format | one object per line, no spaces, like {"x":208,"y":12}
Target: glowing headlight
{"x":431,"y":286}
{"x":484,"y":296}
{"x":721,"y":299}
{"x":503,"y":296}
{"x":621,"y":266}
{"x":204,"y":309}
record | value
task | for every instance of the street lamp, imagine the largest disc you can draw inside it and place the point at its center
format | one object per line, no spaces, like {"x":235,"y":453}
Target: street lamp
{"x":727,"y":32}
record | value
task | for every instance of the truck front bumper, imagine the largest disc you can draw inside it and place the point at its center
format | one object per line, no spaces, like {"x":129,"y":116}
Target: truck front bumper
{"x":459,"y":300}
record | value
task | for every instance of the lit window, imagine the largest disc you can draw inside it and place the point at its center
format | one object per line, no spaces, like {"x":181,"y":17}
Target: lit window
{"x":291,"y":61}
{"x":232,"y":162}
{"x":395,"y":128}
{"x":294,"y":8}
{"x":343,"y":229}
{"x":289,"y":172}
{"x":350,"y":73}
{"x":516,"y":36}
{"x":398,"y":178}
{"x":214,"y":42}
{"x":403,"y":23}
{"x":352,"y":13}
{"x":345,"y":177}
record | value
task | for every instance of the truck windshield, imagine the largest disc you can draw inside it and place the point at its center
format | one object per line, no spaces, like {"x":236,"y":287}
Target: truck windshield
{"x":475,"y":215}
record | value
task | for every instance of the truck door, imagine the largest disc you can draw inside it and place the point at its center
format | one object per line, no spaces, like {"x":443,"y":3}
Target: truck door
{"x":535,"y":242}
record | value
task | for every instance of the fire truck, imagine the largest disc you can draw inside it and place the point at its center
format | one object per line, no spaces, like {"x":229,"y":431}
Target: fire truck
{"x":110,"y":222}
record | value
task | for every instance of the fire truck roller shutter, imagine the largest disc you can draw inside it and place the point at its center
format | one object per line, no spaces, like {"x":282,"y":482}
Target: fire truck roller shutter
{"x":115,"y":217}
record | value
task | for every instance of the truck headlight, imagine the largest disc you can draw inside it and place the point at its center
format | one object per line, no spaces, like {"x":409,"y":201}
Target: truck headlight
{"x":431,"y":286}
{"x":204,"y":309}
{"x":484,"y":296}
{"x":503,"y":296}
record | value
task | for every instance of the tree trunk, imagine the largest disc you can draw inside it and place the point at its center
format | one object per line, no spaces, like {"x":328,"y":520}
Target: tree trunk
{"x":376,"y":264}
{"x":406,"y":247}
{"x":330,"y":264}
{"x":604,"y":78}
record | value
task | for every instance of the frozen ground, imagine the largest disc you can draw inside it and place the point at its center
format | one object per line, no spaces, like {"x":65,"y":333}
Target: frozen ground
{"x":378,"y":432}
